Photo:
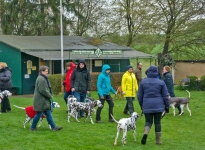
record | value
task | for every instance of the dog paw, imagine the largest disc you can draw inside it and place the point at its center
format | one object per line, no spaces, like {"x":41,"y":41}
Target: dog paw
{"x":115,"y":144}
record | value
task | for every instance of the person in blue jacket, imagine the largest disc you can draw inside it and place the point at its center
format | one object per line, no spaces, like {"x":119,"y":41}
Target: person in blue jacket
{"x":153,"y":100}
{"x":104,"y":88}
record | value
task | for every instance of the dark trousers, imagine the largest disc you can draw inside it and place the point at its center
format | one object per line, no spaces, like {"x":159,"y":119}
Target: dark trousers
{"x":5,"y":104}
{"x":129,"y":105}
{"x":110,"y":102}
{"x":157,"y":120}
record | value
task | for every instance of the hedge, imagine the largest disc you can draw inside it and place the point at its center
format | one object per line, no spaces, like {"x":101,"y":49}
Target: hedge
{"x":56,"y":82}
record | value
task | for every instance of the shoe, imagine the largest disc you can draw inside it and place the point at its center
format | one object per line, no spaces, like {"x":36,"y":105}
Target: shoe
{"x":33,"y":129}
{"x":111,"y":120}
{"x":57,"y":128}
{"x":99,"y":121}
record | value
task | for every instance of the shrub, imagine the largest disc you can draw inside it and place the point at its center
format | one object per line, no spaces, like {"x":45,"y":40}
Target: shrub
{"x":56,"y":83}
{"x":193,"y":83}
{"x":202,"y":83}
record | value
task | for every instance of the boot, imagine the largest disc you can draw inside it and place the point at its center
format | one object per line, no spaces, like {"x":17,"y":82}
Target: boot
{"x":144,"y":138}
{"x":158,"y":135}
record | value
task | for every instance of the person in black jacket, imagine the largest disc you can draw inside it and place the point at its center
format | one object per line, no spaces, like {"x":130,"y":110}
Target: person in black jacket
{"x":5,"y":84}
{"x":80,"y":83}
{"x":167,"y":77}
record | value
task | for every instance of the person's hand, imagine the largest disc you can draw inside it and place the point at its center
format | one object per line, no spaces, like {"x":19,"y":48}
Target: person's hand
{"x":167,"y":110}
{"x":123,"y":93}
{"x":88,"y":92}
{"x":102,"y":97}
{"x":72,"y":89}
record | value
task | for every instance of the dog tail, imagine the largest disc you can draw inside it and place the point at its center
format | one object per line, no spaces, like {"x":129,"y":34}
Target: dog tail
{"x":19,"y":107}
{"x":189,"y":94}
{"x":114,"y":118}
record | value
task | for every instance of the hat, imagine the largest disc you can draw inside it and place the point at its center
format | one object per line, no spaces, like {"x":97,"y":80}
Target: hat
{"x":139,"y":63}
{"x":128,"y":67}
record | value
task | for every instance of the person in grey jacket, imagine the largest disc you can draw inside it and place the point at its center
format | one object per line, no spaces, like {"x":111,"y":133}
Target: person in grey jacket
{"x":42,"y":100}
{"x":80,"y":83}
{"x":5,"y":84}
{"x":153,"y":99}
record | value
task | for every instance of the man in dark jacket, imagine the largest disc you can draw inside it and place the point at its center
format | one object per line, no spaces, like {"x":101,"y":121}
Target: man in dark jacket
{"x":153,"y":99}
{"x":80,"y":83}
{"x":167,"y":77}
{"x":5,"y":84}
{"x":138,"y":73}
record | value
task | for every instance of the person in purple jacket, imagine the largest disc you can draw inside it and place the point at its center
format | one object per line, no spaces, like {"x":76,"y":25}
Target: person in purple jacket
{"x":153,"y":100}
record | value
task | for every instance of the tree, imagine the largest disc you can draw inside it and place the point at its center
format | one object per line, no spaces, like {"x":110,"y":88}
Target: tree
{"x":175,"y":19}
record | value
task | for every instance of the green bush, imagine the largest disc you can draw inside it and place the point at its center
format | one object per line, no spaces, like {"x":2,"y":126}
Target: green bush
{"x":56,"y":82}
{"x":202,"y":83}
{"x":193,"y":83}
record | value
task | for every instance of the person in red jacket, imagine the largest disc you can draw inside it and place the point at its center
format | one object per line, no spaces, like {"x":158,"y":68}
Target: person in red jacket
{"x":70,"y":67}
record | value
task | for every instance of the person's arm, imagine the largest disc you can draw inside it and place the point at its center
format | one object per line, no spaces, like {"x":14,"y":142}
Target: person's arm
{"x":165,"y":96}
{"x":72,"y":80}
{"x":140,"y":95}
{"x":89,"y":81}
{"x":124,"y":84}
{"x":99,"y":85}
{"x":43,"y":88}
{"x":6,"y":77}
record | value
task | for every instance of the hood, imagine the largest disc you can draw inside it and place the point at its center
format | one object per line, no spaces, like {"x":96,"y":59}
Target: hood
{"x":105,"y":67}
{"x":152,"y":72}
{"x":81,"y":61}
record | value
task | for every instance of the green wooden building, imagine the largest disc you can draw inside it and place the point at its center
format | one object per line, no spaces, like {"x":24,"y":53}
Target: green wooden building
{"x":24,"y":55}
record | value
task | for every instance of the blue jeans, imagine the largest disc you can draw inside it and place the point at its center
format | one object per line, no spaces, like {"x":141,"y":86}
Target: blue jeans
{"x":66,"y":94}
{"x":48,"y":117}
{"x":80,"y":98}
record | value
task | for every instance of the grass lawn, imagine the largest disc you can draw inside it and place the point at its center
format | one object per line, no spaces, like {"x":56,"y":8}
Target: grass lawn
{"x":179,"y":133}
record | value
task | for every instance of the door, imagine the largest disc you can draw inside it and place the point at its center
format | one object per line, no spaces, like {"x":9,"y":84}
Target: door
{"x":30,"y":67}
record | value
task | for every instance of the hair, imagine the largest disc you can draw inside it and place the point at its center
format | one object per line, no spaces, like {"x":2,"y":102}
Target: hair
{"x":167,"y":68}
{"x":139,"y":63}
{"x":3,"y":64}
{"x":43,"y":68}
{"x":68,"y":64}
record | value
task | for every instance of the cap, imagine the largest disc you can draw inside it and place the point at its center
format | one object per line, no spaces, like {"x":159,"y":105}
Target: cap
{"x":128,"y":67}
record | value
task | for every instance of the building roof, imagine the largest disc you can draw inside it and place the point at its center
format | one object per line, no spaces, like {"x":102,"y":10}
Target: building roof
{"x":49,"y":48}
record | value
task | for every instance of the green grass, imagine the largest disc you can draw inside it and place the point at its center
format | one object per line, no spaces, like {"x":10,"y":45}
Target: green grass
{"x":179,"y":133}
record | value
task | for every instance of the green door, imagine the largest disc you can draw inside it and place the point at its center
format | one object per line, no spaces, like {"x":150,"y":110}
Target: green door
{"x":30,"y":72}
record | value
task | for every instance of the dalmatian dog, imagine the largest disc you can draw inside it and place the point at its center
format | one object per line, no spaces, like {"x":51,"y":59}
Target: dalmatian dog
{"x":126,"y":124}
{"x":30,"y":113}
{"x":180,"y":101}
{"x":4,"y":93}
{"x":90,"y":100}
{"x":87,"y":108}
